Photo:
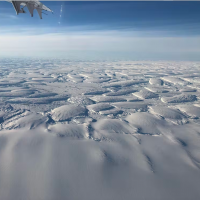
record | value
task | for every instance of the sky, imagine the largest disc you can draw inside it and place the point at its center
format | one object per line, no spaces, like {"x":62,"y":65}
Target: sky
{"x":162,"y":30}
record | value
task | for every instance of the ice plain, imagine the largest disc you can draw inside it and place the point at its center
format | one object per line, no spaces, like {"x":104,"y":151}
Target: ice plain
{"x":99,"y":130}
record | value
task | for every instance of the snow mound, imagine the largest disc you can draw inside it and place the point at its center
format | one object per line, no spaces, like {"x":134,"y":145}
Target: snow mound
{"x":187,"y":89}
{"x":190,"y":110}
{"x":157,"y":89}
{"x":174,"y":80}
{"x":99,"y":107}
{"x":145,"y":94}
{"x":66,"y":112}
{"x":147,"y":123}
{"x":168,"y":113}
{"x":155,"y":81}
{"x":108,"y":99}
{"x":28,"y":120}
{"x":105,"y":128}
{"x":70,"y":131}
{"x":179,"y":98}
{"x":75,"y":78}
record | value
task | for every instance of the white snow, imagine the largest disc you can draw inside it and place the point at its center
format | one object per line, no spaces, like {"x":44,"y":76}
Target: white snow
{"x":99,"y":107}
{"x":155,"y":81}
{"x":174,"y":80}
{"x":69,"y":131}
{"x":192,"y":111}
{"x":168,"y":113}
{"x":147,"y":123}
{"x":131,"y":105}
{"x":99,"y":130}
{"x":105,"y":128}
{"x":125,"y":83}
{"x":179,"y":98}
{"x":67,"y":112}
{"x":145,"y":94}
{"x":121,"y":92}
{"x":108,"y":99}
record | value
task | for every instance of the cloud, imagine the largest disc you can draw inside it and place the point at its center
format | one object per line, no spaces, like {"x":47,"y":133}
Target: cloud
{"x":117,"y":43}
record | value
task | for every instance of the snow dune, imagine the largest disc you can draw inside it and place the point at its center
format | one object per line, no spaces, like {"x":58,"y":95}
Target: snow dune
{"x":155,"y":81}
{"x":125,"y":83}
{"x":179,"y":98}
{"x":99,"y":130}
{"x":145,"y":94}
{"x":147,"y":123}
{"x":67,"y":112}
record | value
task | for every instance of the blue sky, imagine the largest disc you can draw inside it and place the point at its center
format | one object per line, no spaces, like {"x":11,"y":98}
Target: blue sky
{"x":124,"y":30}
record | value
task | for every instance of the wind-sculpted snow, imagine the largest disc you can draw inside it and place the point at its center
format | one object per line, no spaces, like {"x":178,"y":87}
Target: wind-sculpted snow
{"x":67,"y":112}
{"x":132,"y":105}
{"x":99,"y":130}
{"x":17,"y":93}
{"x":155,"y":81}
{"x":168,"y":113}
{"x":125,"y":83}
{"x":145,"y":94}
{"x":174,"y":80}
{"x":27,"y":119}
{"x":107,"y":128}
{"x":39,"y":100}
{"x":121,"y":92}
{"x":108,"y":99}
{"x":157,"y":89}
{"x":81,"y":100}
{"x":190,"y":110}
{"x":69,"y":131}
{"x":147,"y":123}
{"x":179,"y":98}
{"x":99,"y":107}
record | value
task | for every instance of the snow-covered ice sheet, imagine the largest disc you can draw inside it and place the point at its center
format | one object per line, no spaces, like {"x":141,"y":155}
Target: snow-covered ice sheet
{"x":119,"y":130}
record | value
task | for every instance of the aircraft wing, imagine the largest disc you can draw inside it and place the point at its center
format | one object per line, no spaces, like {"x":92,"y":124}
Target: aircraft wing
{"x":31,"y":5}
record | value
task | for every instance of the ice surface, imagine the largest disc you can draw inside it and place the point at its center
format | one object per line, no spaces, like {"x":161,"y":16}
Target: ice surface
{"x":99,"y":130}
